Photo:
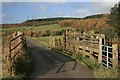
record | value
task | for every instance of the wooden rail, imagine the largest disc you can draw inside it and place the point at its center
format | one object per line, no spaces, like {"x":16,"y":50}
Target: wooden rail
{"x":17,"y":46}
{"x":94,"y":47}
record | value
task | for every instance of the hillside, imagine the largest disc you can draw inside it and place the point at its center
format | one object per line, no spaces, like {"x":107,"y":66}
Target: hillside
{"x":94,"y":21}
{"x":47,"y":21}
{"x":98,"y":23}
{"x":96,"y":16}
{"x":39,"y":22}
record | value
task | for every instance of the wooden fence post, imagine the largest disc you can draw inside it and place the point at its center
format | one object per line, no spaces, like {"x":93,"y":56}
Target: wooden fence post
{"x":51,"y":41}
{"x":21,"y":39}
{"x":118,"y":50}
{"x":64,"y":40}
{"x":9,"y":59}
{"x":115,"y":53}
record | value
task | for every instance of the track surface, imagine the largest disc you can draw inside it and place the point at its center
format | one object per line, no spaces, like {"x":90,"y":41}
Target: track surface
{"x":50,"y":64}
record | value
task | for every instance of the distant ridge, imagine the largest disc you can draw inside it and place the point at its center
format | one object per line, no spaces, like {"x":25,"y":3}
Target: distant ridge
{"x":47,"y":21}
{"x":51,"y":19}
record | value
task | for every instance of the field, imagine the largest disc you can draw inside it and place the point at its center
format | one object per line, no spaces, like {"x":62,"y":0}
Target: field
{"x":44,"y":41}
{"x":36,"y":28}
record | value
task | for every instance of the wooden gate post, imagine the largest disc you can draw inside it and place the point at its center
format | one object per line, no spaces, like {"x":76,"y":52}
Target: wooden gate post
{"x":115,"y":53}
{"x":51,"y":41}
{"x":101,"y":43}
{"x":54,"y":43}
{"x":9,"y":59}
{"x":100,"y":51}
{"x":64,"y":40}
{"x":21,"y":40}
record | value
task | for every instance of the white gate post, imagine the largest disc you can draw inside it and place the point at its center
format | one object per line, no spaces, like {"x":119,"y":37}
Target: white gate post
{"x":107,"y":57}
{"x":100,"y":51}
{"x":101,"y":43}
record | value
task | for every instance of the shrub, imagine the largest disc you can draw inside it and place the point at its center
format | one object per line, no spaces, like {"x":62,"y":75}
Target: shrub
{"x":66,"y":23}
{"x":4,"y":33}
{"x":43,"y":34}
{"x":47,"y":33}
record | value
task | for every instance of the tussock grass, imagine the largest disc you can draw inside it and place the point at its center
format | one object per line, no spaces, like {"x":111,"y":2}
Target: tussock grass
{"x":106,"y":73}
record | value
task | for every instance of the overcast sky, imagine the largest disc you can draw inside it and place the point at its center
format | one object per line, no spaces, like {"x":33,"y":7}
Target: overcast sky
{"x":15,"y":11}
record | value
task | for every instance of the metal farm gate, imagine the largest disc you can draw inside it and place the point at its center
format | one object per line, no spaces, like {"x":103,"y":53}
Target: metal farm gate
{"x":107,"y":55}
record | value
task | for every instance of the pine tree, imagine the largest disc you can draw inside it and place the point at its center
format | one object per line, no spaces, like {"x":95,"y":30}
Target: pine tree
{"x":115,"y":18}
